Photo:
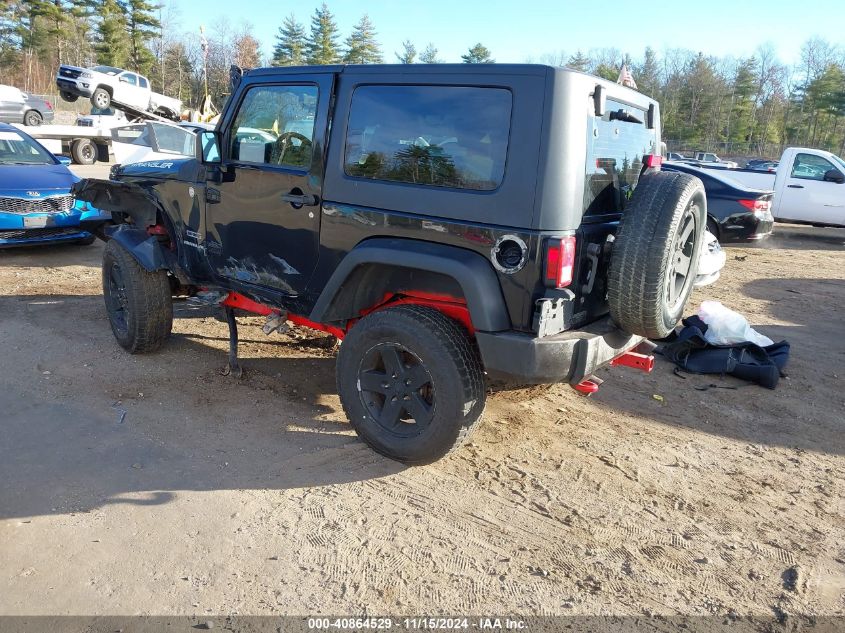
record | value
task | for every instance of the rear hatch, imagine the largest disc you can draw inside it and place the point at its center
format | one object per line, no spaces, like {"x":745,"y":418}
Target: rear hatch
{"x":619,"y":143}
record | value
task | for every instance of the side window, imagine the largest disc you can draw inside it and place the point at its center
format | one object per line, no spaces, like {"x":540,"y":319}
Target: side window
{"x":172,"y":139}
{"x":129,"y":78}
{"x":275,"y":126}
{"x":810,"y":167}
{"x":444,"y":136}
{"x":142,"y":82}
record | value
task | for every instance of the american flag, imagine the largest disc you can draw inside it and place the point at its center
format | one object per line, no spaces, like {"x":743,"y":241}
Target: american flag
{"x":626,"y":78}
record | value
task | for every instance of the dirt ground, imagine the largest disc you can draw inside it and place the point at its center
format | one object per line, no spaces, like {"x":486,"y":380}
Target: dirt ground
{"x":154,"y":485}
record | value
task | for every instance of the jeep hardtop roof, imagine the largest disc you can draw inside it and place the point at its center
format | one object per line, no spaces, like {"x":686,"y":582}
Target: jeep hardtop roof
{"x":543,"y":187}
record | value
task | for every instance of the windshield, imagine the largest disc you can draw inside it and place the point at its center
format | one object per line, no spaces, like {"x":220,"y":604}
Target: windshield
{"x":107,"y":70}
{"x":102,"y":111}
{"x":17,"y":149}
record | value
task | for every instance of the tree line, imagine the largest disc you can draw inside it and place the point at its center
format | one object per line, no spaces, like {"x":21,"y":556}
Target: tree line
{"x":740,"y":106}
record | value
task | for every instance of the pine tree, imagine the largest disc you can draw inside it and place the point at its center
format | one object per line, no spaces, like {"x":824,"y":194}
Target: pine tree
{"x":429,"y":55}
{"x":648,"y":74}
{"x":408,"y":54}
{"x":362,"y":46}
{"x":113,"y":43}
{"x":290,"y":47}
{"x":141,"y":24}
{"x":478,"y":54}
{"x":579,"y":61}
{"x":322,"y":45}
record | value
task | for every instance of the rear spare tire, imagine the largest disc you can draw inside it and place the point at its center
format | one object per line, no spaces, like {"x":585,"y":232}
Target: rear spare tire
{"x":411,"y":383}
{"x":655,"y":255}
{"x":138,"y":302}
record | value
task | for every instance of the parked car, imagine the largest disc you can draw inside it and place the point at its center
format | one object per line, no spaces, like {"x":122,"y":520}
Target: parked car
{"x":443,"y":225}
{"x":808,"y":185}
{"x":36,"y":204}
{"x":761,"y":164}
{"x":735,"y":213}
{"x":675,"y":156}
{"x":106,"y":84}
{"x":19,"y":107}
{"x":710,"y":157}
{"x":103,"y":118}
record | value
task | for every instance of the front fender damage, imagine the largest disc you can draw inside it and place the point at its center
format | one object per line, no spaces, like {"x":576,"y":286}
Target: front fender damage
{"x":119,"y":197}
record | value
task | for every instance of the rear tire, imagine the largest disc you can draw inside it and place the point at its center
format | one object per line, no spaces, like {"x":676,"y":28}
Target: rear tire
{"x":411,"y":383}
{"x":101,"y":98}
{"x":83,"y":151}
{"x":138,"y":302}
{"x":33,"y":118}
{"x":655,"y":255}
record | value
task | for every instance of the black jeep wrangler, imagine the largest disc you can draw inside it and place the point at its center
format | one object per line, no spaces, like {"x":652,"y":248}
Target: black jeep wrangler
{"x":453,"y":224}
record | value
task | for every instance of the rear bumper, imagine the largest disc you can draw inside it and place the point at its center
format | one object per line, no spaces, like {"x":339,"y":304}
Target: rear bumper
{"x":566,"y":357}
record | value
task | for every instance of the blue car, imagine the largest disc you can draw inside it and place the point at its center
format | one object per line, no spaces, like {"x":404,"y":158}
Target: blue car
{"x":36,"y":206}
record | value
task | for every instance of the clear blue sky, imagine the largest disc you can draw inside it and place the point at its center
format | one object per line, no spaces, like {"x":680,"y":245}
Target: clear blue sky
{"x":518,"y":31}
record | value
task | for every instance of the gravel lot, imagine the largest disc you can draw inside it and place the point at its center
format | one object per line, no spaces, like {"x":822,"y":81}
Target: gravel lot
{"x":154,"y":485}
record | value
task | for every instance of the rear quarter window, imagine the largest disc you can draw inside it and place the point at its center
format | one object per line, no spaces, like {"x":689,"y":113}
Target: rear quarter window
{"x":616,"y":145}
{"x":439,"y":136}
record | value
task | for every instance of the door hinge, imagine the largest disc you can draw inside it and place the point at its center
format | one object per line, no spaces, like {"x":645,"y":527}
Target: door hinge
{"x":212,"y":196}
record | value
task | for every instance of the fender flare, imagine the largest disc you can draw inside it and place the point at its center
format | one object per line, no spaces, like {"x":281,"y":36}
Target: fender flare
{"x":145,"y":248}
{"x":472,"y":272}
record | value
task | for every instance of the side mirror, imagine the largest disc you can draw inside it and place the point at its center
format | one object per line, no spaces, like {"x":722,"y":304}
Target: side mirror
{"x":64,"y":160}
{"x":208,"y":147}
{"x":834,"y":175}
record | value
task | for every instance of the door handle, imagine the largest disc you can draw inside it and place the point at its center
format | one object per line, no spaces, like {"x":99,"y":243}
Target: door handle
{"x":301,"y":199}
{"x":795,"y":186}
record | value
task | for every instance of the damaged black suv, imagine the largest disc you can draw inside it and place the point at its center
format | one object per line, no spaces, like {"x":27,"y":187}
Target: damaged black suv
{"x":456,"y":226}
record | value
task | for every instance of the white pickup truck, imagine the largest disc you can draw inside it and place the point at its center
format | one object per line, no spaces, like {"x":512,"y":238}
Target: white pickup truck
{"x":706,"y":158}
{"x":105,"y":85}
{"x":809,"y":186}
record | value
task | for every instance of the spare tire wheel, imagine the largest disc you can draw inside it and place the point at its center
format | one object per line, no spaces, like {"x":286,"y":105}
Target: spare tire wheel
{"x":655,"y":255}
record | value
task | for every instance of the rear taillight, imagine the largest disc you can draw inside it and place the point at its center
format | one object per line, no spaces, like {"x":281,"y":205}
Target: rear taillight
{"x":49,"y":105}
{"x":758,"y":207}
{"x":560,"y":260}
{"x":652,"y":160}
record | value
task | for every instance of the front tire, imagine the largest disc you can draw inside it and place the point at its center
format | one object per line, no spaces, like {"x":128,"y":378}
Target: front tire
{"x":69,"y":96}
{"x":655,"y":255}
{"x":138,"y":302}
{"x":411,"y":383}
{"x":83,"y":151}
{"x":101,"y":98}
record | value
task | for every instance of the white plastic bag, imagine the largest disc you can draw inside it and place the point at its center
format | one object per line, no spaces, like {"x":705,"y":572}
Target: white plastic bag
{"x":726,"y":327}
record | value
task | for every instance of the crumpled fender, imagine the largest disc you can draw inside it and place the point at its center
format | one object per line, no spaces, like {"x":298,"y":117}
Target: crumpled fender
{"x":115,"y":196}
{"x":145,"y":248}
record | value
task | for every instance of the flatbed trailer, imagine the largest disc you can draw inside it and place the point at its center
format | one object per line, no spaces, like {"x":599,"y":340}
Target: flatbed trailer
{"x":86,"y":145}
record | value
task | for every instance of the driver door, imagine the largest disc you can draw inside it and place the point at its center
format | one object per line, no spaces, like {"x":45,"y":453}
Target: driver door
{"x":808,"y":197}
{"x":263,"y":208}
